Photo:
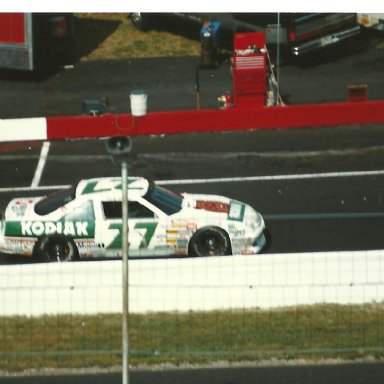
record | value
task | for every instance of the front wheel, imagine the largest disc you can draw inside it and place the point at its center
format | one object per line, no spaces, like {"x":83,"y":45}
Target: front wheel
{"x":56,"y":248}
{"x":142,"y":21}
{"x":212,"y":241}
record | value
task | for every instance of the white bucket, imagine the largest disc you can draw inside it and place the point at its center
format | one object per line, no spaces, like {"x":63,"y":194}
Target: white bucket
{"x":138,"y":102}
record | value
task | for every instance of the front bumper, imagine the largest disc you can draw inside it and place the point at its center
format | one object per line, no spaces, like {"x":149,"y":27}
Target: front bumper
{"x":2,"y":242}
{"x":256,"y":246}
{"x":315,"y":44}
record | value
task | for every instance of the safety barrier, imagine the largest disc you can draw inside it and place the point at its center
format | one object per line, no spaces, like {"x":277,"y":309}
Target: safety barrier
{"x":189,"y":121}
{"x":190,"y":284}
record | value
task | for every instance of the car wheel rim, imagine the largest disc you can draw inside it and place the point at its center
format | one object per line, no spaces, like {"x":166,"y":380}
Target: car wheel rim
{"x":58,"y":251}
{"x":211,"y":246}
{"x":136,"y":18}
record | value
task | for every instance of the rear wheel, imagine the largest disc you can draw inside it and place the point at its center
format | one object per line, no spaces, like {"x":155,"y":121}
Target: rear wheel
{"x":56,"y":248}
{"x":211,"y":241}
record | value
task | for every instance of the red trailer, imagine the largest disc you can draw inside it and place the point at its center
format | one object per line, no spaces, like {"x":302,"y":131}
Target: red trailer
{"x":33,"y":41}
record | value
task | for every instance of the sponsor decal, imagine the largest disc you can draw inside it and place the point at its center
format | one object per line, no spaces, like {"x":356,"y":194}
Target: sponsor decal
{"x":178,"y":238}
{"x":236,"y":211}
{"x":192,"y":227}
{"x":179,"y":223}
{"x":172,"y":231}
{"x":180,"y":251}
{"x":182,"y":243}
{"x":189,"y":226}
{"x":77,"y":229}
{"x":235,"y":231}
{"x":213,"y":206}
{"x":247,"y":252}
{"x":23,"y":245}
{"x":88,"y":244}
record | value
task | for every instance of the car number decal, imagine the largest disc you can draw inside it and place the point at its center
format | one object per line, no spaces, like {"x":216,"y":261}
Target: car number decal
{"x":100,"y":186}
{"x":149,"y":228}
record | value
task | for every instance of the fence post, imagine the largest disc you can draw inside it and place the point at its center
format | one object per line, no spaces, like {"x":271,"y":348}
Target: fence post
{"x":119,"y":148}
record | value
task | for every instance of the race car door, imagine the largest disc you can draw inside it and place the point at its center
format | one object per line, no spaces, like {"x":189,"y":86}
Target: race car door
{"x":143,"y":225}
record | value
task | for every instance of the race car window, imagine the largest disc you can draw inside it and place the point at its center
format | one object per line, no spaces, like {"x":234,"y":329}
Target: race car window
{"x":168,"y":201}
{"x":113,"y":210}
{"x":55,"y":201}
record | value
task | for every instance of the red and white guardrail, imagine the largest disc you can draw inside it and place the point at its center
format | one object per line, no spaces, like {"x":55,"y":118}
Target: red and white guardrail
{"x":189,"y":121}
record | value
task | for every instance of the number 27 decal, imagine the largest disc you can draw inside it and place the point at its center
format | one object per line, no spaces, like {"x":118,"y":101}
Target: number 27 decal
{"x":149,"y":232}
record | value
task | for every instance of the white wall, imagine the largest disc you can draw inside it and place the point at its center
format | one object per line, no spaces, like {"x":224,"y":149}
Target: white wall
{"x":261,"y":281}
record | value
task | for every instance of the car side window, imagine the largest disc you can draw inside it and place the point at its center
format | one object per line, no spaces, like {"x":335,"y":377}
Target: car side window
{"x":113,"y":209}
{"x":83,"y":212}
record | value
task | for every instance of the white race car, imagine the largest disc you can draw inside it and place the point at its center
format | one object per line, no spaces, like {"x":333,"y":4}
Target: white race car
{"x":85,"y":222}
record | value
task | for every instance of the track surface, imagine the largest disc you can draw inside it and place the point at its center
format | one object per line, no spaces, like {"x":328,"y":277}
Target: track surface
{"x":315,"y":213}
{"x":370,"y":373}
{"x":318,"y":198}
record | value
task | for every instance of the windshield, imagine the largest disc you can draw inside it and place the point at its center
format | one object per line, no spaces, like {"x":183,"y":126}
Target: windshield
{"x":55,"y":201}
{"x":168,"y":201}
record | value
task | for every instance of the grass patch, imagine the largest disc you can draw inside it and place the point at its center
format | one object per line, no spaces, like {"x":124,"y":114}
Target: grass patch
{"x":108,"y":36}
{"x":313,"y":332}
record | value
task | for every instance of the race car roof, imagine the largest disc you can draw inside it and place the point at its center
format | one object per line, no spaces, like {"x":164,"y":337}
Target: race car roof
{"x":137,"y":186}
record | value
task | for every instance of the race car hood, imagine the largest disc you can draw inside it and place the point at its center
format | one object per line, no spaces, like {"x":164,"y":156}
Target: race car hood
{"x":21,"y":207}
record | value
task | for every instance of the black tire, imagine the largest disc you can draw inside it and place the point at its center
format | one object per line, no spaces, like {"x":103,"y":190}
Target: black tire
{"x":56,"y":248}
{"x":211,"y":241}
{"x":142,"y":21}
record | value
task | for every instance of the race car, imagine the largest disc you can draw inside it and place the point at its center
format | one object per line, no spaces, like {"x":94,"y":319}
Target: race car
{"x":85,"y":221}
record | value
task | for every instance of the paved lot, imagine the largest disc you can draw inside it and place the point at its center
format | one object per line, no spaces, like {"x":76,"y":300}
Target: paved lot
{"x":171,"y":83}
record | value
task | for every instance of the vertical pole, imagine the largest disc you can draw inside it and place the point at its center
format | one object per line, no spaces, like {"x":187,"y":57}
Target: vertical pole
{"x":278,"y":59}
{"x":197,"y":85}
{"x":125,"y":247}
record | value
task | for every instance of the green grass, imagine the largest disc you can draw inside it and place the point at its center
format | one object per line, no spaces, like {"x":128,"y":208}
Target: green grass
{"x":313,"y":332}
{"x":110,"y":36}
